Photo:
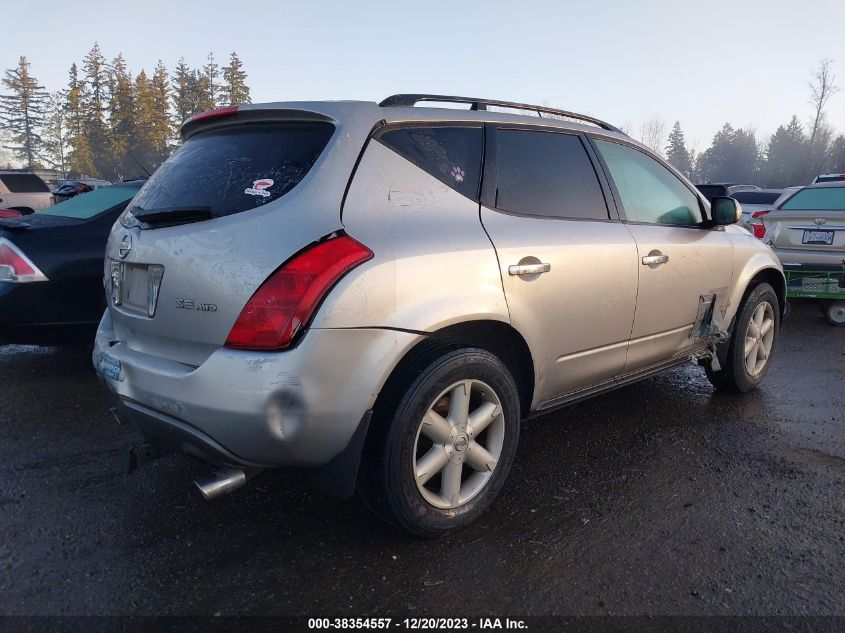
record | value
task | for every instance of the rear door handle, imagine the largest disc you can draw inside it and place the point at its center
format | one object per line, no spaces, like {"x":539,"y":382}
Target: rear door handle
{"x":529,"y":269}
{"x":655,"y":258}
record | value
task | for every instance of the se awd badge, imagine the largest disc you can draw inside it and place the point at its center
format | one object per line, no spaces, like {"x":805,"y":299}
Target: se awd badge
{"x":259,"y":188}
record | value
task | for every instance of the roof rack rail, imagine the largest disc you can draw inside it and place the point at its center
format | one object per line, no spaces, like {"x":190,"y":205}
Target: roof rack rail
{"x":410,"y":100}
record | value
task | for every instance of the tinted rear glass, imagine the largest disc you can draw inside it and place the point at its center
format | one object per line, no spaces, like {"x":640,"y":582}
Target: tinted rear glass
{"x":756,"y":197}
{"x":711,"y":191}
{"x":236,"y":168}
{"x":452,"y":154}
{"x":831,"y":178}
{"x":87,"y":205}
{"x":24,"y":183}
{"x":547,"y":174}
{"x":832,"y":198}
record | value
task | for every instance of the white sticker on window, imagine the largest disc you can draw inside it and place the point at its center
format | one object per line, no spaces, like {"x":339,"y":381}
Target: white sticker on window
{"x":259,"y":188}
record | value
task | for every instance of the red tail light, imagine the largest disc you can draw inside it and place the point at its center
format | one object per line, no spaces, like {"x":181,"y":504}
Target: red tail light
{"x":287,"y":300}
{"x":757,"y":227}
{"x":15,"y":266}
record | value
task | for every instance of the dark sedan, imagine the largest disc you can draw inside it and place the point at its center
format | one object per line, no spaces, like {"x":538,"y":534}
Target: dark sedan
{"x":51,"y":268}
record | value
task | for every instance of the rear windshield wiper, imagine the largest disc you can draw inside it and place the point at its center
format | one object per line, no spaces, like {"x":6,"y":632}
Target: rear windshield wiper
{"x":172,"y":214}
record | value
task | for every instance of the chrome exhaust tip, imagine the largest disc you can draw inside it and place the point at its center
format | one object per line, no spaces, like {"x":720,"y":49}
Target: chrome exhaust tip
{"x":220,"y":482}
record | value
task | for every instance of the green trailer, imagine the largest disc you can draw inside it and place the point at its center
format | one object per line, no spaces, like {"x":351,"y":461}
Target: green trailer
{"x":828,"y":286}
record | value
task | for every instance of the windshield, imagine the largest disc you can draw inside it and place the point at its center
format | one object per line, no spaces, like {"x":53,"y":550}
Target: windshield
{"x":87,"y":205}
{"x":756,"y":197}
{"x":233,"y":169}
{"x":822,"y":199}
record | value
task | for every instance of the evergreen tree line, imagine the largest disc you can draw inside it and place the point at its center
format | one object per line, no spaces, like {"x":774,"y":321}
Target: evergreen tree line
{"x":793,"y":155}
{"x":107,"y":122}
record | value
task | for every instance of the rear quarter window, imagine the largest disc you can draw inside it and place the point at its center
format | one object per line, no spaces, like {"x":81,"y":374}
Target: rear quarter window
{"x":236,"y":168}
{"x":24,"y":183}
{"x":450,"y":153}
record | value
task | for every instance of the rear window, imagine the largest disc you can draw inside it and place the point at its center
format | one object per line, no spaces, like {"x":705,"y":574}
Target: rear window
{"x":825,"y":199}
{"x":756,"y":197}
{"x":234,"y":169}
{"x":546,"y":174}
{"x":87,"y":205}
{"x":24,"y":183}
{"x":830,"y":178}
{"x":450,"y":153}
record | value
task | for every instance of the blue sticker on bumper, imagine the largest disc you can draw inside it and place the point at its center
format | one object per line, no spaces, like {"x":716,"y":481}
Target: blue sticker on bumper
{"x":109,"y":367}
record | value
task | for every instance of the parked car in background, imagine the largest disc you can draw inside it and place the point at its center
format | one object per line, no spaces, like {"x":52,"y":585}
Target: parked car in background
{"x":70,"y":188}
{"x":23,"y":191}
{"x":713,"y":190}
{"x":829,"y":178}
{"x":9,"y":213}
{"x":328,"y":284}
{"x":807,"y":232}
{"x":753,"y":200}
{"x":51,"y":268}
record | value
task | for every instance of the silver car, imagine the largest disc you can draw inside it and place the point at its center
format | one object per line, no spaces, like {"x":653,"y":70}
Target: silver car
{"x":381,"y":293}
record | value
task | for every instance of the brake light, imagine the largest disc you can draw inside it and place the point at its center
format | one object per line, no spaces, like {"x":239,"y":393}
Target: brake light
{"x":287,"y":300}
{"x":757,"y":227}
{"x":15,"y":266}
{"x":213,"y":114}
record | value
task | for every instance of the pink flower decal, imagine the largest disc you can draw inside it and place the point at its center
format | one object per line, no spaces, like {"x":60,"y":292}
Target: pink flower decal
{"x":458,"y":174}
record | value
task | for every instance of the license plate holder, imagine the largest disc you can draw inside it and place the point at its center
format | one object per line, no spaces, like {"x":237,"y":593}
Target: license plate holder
{"x":108,"y":366}
{"x":818,"y":237}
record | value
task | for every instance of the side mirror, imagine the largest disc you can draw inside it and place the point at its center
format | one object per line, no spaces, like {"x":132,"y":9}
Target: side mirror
{"x":724,"y":210}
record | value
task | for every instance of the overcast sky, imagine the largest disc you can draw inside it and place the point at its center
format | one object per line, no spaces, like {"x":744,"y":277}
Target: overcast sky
{"x":747,"y":61}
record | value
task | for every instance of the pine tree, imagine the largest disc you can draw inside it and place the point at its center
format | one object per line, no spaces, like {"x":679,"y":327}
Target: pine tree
{"x":181,"y":84}
{"x":208,"y":85}
{"x":785,"y":156}
{"x":79,"y":160}
{"x":121,"y":116}
{"x":677,"y":153}
{"x":235,"y":90}
{"x":94,"y":108}
{"x":161,"y":129}
{"x":143,"y":149}
{"x":56,"y":134}
{"x":22,"y":112}
{"x":836,"y":155}
{"x":732,"y":156}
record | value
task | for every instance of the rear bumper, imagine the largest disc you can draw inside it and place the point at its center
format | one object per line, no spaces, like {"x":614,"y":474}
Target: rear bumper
{"x":300,"y":407}
{"x":807,"y":258}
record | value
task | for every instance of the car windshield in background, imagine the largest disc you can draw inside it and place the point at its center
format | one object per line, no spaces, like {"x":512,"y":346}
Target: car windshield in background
{"x":756,"y":197}
{"x":24,"y":183}
{"x":822,"y":199}
{"x":87,"y":205}
{"x":232,"y":169}
{"x":711,"y":191}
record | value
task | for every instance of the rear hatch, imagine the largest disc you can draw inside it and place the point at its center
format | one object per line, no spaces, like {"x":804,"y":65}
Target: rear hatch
{"x":811,"y":221}
{"x":248,"y":189}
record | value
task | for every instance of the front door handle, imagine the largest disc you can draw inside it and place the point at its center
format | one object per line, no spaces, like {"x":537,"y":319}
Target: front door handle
{"x":655,"y":258}
{"x":529,"y":269}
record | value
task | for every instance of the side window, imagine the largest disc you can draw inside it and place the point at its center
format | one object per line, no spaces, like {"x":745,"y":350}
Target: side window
{"x":452,"y":154}
{"x":546,"y":173}
{"x":650,"y":192}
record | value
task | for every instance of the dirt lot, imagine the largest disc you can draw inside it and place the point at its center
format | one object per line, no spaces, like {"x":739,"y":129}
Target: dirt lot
{"x":660,"y":498}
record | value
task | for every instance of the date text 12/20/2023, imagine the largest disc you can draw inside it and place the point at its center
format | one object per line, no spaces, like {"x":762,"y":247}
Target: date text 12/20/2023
{"x":418,"y":624}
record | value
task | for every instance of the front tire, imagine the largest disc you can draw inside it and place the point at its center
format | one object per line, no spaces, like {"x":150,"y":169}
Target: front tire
{"x":443,"y":441}
{"x":752,"y":343}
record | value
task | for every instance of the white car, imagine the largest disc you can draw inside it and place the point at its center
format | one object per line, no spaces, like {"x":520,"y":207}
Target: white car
{"x":23,"y":191}
{"x":754,"y":200}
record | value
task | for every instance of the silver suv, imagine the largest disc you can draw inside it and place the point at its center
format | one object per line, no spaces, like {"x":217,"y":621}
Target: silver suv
{"x":381,"y":293}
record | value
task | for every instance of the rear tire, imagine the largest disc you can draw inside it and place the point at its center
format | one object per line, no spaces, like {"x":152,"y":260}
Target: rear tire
{"x":442,"y":441}
{"x":752,"y":343}
{"x":834,"y":312}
